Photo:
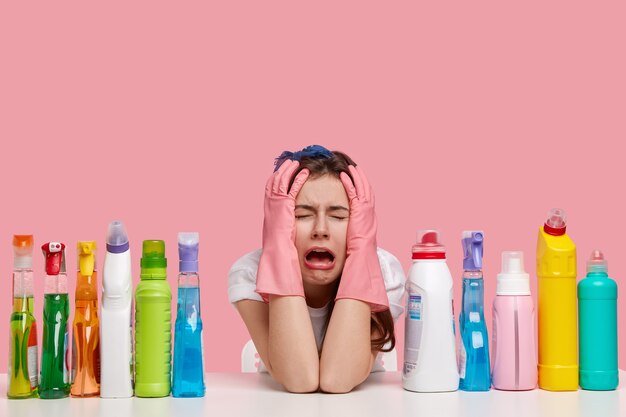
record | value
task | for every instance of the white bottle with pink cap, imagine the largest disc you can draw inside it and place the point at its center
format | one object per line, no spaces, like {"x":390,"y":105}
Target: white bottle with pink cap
{"x":514,"y":350}
{"x":430,"y":346}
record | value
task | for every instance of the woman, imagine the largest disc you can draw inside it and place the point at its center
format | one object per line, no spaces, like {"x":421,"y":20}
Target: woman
{"x":320,"y":298}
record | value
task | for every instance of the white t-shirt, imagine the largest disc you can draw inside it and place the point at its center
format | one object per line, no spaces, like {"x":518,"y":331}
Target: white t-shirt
{"x":242,"y":286}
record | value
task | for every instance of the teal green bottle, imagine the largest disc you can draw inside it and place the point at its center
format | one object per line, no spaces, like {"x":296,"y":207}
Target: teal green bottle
{"x":153,"y":327}
{"x":597,"y":337}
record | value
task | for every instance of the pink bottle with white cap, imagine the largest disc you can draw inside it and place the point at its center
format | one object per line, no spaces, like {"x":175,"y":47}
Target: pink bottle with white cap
{"x":514,"y":350}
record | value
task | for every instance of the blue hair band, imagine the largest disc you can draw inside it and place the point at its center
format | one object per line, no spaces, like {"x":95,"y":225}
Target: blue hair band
{"x":313,"y":151}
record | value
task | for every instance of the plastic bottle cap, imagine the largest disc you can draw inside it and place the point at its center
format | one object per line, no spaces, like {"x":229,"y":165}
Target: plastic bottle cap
{"x":153,"y":259}
{"x":117,"y":239}
{"x":23,"y":251}
{"x":429,"y":245}
{"x":597,"y":263}
{"x":513,"y":279}
{"x":556,"y":223}
{"x":188,"y":246}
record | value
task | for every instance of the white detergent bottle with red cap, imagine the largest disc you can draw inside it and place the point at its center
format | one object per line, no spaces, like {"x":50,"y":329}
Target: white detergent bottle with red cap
{"x":430,"y":363}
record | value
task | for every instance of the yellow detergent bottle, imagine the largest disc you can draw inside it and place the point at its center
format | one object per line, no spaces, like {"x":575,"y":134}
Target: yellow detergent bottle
{"x":556,"y":272}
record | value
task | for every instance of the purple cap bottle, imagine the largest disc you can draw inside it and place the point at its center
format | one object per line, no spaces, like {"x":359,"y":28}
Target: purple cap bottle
{"x":188,"y":245}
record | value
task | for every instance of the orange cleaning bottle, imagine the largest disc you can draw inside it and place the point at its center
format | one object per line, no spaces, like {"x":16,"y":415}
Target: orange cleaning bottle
{"x":86,"y":349}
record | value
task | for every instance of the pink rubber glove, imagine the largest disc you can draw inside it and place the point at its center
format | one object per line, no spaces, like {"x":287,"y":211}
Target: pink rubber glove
{"x":362,"y":278}
{"x":279,"y":268}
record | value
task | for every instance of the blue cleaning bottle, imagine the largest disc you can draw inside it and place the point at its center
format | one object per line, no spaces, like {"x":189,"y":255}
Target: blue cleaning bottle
{"x":474,"y":362}
{"x":188,"y":378}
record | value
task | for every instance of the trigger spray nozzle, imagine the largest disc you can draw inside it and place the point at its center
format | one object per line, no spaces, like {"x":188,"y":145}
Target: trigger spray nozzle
{"x":86,"y":251}
{"x":473,"y":250}
{"x":54,"y":252}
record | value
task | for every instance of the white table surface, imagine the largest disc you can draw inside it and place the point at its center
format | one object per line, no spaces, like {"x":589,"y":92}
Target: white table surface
{"x":237,"y":394}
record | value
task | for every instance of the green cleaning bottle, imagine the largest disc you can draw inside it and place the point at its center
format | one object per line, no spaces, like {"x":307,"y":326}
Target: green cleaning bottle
{"x":597,"y":316}
{"x":23,"y":372}
{"x":153,"y":331}
{"x":55,"y":372}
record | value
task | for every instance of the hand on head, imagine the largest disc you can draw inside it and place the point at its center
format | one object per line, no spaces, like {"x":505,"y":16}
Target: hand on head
{"x":278,"y":183}
{"x":362,"y":277}
{"x":279,"y":271}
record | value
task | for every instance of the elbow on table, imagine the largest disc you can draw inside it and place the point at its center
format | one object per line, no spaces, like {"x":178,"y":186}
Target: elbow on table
{"x":336,"y":383}
{"x":301,"y":383}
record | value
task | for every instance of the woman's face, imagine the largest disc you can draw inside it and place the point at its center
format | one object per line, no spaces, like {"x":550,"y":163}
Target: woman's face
{"x":322,"y":213}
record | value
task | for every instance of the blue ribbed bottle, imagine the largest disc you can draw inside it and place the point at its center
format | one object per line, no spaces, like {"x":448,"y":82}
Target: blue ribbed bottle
{"x":475,"y":374}
{"x":188,"y":375}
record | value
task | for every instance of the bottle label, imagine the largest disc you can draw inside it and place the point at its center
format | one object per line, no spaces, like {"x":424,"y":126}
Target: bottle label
{"x":413,"y":334}
{"x":32,"y":357}
{"x":415,"y":307}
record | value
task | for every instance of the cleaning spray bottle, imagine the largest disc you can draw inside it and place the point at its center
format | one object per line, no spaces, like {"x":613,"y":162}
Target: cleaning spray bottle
{"x":474,"y":357}
{"x":23,"y":356}
{"x":597,"y":309}
{"x":55,"y":372}
{"x":556,"y":290}
{"x":153,"y":329}
{"x":86,"y":329}
{"x":116,"y":327}
{"x":188,"y":380}
{"x":514,"y":349}
{"x":430,"y":346}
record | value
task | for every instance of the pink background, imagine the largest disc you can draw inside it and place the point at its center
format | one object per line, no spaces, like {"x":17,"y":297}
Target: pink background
{"x":167,"y":116}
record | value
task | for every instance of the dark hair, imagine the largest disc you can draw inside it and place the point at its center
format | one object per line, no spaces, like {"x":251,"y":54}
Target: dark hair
{"x":381,"y":322}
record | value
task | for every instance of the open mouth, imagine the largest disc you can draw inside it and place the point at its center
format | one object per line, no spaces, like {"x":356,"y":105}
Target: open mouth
{"x":319,"y":258}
